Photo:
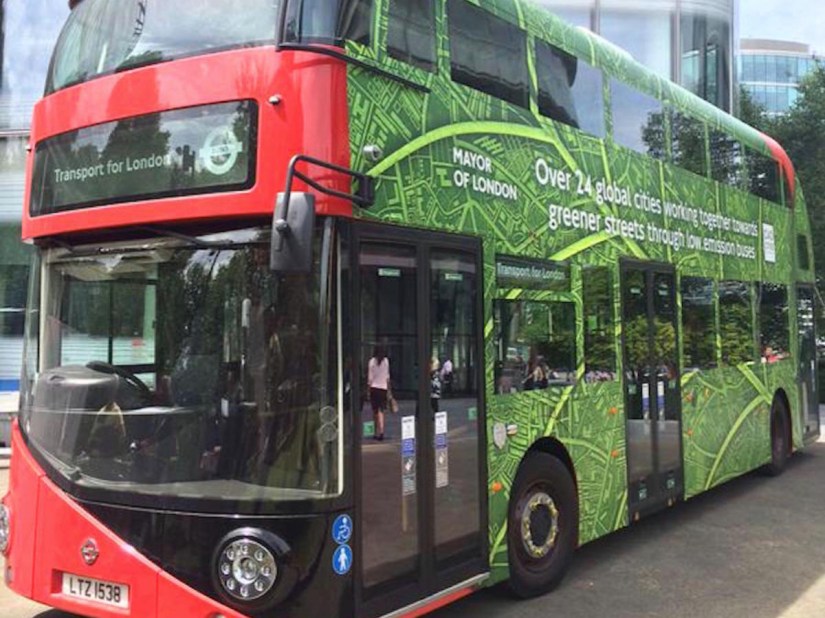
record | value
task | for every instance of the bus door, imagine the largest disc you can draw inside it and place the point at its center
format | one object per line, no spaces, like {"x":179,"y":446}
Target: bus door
{"x":807,"y":358}
{"x":652,"y":387}
{"x":421,"y":521}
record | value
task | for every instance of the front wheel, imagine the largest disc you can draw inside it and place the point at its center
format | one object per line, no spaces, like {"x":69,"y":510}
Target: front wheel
{"x":542,"y":522}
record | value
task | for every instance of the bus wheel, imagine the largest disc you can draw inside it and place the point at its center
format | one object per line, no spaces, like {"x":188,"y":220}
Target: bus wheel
{"x":542,"y":525}
{"x":780,"y":438}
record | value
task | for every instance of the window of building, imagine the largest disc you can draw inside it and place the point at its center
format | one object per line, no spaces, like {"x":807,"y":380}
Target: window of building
{"x":570,"y":90}
{"x":599,"y":330}
{"x":411,"y":34}
{"x":571,"y":15}
{"x":638,"y":120}
{"x":763,"y":176}
{"x":645,"y":34}
{"x":699,"y":322}
{"x":687,"y":142}
{"x":736,"y":322}
{"x":774,"y":328}
{"x":727,"y":161}
{"x":535,"y":345}
{"x":487,"y":53}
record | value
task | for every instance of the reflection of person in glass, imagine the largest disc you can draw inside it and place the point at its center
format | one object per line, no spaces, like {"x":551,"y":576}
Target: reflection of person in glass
{"x":435,"y":385}
{"x":378,"y":384}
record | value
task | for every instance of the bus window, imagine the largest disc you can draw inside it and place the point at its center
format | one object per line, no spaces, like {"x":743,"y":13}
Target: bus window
{"x":322,"y":21}
{"x":687,"y":143}
{"x":536,"y":344}
{"x":698,"y":323}
{"x":803,"y":255}
{"x":727,"y":163}
{"x":599,"y":333}
{"x":638,"y":121}
{"x":411,"y":35}
{"x":736,"y":322}
{"x":763,"y":176}
{"x":774,"y":333}
{"x":487,"y":53}
{"x":570,"y":90}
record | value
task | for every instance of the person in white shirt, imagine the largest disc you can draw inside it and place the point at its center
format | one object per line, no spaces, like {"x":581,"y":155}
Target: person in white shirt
{"x":378,"y":383}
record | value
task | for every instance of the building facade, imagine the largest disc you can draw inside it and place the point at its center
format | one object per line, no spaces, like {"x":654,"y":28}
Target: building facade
{"x":28,"y":29}
{"x":688,"y":41}
{"x":770,"y":71}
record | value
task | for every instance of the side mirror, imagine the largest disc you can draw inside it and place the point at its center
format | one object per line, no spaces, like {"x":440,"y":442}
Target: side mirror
{"x":292,"y":227}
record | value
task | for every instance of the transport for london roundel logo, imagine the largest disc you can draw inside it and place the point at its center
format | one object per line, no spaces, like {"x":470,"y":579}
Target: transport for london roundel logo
{"x":220,"y":150}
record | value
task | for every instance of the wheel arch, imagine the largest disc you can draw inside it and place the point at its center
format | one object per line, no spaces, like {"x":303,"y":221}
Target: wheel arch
{"x":554,"y":447}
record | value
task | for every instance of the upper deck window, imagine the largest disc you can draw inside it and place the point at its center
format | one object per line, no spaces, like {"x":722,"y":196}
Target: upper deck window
{"x":104,"y":36}
{"x":328,"y":21}
{"x":487,"y":53}
{"x":570,"y":90}
{"x":638,"y":120}
{"x":411,"y":35}
{"x":763,"y":176}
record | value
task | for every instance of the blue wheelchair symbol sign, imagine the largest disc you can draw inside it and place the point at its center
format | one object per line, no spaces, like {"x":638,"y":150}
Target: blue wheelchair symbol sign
{"x":342,"y":560}
{"x":342,"y":529}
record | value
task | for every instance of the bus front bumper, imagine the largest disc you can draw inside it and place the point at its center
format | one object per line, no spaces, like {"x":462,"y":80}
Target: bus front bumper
{"x":61,"y":556}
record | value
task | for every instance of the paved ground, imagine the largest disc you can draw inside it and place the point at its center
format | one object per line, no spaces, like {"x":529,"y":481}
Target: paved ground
{"x":754,"y":548}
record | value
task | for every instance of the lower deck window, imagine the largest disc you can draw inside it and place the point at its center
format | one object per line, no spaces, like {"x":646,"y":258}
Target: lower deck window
{"x":535,"y":345}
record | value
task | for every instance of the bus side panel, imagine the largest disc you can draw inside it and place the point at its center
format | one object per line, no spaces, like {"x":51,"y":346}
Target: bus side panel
{"x":723,"y":439}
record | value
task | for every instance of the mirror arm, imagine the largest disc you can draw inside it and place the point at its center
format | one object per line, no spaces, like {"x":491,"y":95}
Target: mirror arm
{"x":364,"y":197}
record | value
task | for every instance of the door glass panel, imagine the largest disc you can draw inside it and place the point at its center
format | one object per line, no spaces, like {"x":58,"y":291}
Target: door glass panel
{"x":389,"y":469}
{"x":666,"y":395}
{"x":637,"y":375}
{"x":454,"y":388}
{"x":807,"y":357}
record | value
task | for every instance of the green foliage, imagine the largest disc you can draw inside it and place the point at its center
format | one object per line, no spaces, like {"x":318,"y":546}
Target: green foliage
{"x":802,"y":133}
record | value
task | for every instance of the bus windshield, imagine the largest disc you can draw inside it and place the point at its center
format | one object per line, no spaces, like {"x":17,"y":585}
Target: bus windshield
{"x":104,"y":36}
{"x":179,"y":370}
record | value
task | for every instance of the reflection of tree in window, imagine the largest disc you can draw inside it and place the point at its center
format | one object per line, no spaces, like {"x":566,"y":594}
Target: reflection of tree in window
{"x":736,"y":322}
{"x":773,"y":322}
{"x":698,"y":323}
{"x":688,"y":142}
{"x":599,"y":333}
{"x":536,"y":345}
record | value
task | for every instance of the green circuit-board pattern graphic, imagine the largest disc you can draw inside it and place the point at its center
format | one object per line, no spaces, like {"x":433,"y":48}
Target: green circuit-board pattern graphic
{"x":421,"y":181}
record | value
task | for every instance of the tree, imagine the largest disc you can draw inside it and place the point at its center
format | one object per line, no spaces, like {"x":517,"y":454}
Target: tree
{"x":802,"y":133}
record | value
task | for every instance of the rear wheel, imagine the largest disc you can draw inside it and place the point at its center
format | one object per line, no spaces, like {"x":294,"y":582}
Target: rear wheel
{"x":780,"y":438}
{"x":542,"y":525}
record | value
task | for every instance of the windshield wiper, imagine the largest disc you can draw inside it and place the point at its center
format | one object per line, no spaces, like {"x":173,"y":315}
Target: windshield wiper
{"x":192,"y":240}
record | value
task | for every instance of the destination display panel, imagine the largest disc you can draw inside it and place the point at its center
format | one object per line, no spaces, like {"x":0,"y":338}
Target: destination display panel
{"x":187,"y":151}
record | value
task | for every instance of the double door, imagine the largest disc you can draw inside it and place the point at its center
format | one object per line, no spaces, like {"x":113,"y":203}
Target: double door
{"x":806,"y":321}
{"x":651,"y":386}
{"x":421,"y":463}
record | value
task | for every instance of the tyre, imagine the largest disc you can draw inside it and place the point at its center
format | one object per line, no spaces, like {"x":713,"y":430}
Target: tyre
{"x":542,"y":525}
{"x":780,"y":438}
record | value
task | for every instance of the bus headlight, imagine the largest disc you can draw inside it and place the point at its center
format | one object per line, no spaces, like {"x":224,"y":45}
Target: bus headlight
{"x":247,"y":569}
{"x":5,"y":528}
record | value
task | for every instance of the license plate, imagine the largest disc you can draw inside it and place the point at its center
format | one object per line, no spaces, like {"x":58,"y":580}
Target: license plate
{"x":87,"y":589}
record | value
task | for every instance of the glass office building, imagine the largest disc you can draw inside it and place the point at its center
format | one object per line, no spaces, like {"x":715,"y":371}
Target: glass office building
{"x":770,"y":71}
{"x":688,"y":41}
{"x":28,"y":29}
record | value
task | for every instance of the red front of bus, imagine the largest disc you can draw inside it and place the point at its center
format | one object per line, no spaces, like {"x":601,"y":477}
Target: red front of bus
{"x":180,"y":445}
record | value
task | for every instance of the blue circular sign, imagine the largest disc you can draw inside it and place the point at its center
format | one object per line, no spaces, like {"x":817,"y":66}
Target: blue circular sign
{"x":342,"y":529}
{"x":342,"y":560}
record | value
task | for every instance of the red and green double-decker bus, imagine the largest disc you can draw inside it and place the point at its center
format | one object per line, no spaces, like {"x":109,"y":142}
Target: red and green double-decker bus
{"x":351,"y":307}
